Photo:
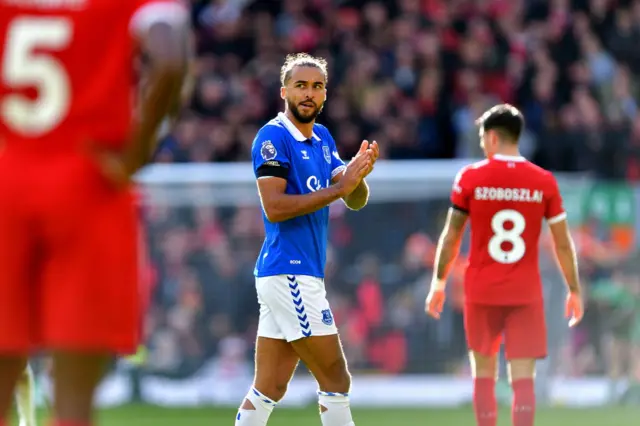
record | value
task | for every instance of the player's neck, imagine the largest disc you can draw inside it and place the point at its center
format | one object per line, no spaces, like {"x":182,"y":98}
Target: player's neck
{"x":305,"y":128}
{"x":508,"y":152}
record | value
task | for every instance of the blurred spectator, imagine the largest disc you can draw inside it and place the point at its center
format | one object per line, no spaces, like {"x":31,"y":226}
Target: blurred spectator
{"x":414,"y":74}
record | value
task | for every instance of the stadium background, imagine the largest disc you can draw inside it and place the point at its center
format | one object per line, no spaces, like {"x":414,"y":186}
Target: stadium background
{"x":413,"y":75}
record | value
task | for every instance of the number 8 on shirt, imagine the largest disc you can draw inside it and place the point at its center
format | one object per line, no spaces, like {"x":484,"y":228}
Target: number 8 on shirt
{"x":507,"y":199}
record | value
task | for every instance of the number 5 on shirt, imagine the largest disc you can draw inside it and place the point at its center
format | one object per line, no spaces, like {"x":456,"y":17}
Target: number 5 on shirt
{"x":24,"y":65}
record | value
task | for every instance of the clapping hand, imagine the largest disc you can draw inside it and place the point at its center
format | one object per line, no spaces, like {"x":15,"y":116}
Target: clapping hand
{"x":370,"y":149}
{"x":356,"y":170}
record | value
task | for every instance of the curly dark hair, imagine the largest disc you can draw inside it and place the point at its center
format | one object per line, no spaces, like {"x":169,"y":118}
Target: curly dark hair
{"x":302,"y":60}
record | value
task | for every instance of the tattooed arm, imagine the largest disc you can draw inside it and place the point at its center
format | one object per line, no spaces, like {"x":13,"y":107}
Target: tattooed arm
{"x":448,"y":247}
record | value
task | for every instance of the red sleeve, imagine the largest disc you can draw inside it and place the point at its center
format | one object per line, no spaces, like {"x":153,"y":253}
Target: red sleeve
{"x":461,"y":191}
{"x":554,"y":210}
{"x":148,"y":12}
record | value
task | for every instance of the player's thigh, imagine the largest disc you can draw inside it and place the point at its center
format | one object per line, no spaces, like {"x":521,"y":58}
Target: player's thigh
{"x":324,"y":357}
{"x":76,"y":377}
{"x":526,"y":332}
{"x":299,"y":307}
{"x":525,"y":339}
{"x":267,"y":325}
{"x":276,"y":361}
{"x":484,"y":325}
{"x":91,"y":290}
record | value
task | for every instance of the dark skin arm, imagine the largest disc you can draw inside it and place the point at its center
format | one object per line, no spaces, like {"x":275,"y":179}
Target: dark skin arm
{"x":358,"y":198}
{"x":167,"y":49}
{"x":279,"y":206}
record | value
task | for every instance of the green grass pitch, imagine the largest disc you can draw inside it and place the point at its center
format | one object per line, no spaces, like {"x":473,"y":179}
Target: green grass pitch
{"x":144,"y":415}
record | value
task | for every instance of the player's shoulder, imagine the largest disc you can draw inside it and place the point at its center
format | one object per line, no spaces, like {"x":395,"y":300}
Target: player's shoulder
{"x":140,"y":12}
{"x":271,"y":134}
{"x":171,"y":4}
{"x":145,"y":13}
{"x":471,"y":169}
{"x":542,"y":173}
{"x":59,"y":7}
{"x":273,"y":128}
{"x":537,"y":169}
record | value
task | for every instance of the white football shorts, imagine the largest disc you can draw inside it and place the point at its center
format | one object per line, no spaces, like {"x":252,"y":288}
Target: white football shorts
{"x":293,"y":307}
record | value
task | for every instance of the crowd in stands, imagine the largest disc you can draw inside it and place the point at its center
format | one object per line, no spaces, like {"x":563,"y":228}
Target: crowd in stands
{"x":413,"y":75}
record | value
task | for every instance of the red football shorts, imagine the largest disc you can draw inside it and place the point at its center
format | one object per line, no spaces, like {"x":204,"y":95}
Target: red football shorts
{"x":523,"y":327}
{"x":68,"y":258}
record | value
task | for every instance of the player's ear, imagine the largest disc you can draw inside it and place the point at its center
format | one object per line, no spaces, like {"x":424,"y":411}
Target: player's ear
{"x":283,"y":93}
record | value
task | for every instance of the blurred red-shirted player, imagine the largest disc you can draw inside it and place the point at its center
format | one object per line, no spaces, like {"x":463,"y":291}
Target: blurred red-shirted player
{"x":68,"y":246}
{"x":506,"y":199}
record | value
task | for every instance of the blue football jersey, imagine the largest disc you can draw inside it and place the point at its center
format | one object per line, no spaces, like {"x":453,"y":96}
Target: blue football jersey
{"x":296,"y":246}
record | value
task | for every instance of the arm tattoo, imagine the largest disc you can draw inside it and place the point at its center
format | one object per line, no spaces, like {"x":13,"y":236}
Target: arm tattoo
{"x":449,"y":242}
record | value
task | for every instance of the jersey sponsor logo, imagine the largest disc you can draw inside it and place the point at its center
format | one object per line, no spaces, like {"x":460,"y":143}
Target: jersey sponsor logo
{"x":268,"y":151}
{"x":327,"y":318}
{"x":305,"y":154}
{"x":314,"y":184}
{"x":327,"y":153}
{"x":272,"y":163}
{"x":295,"y":262}
{"x":524,"y":195}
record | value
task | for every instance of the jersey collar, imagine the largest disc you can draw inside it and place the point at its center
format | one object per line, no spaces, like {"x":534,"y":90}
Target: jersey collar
{"x":297,"y":135}
{"x":502,"y":157}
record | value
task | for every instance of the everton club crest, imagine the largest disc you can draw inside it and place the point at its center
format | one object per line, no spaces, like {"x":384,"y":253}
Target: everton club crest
{"x":327,"y":153}
{"x":327,"y":318}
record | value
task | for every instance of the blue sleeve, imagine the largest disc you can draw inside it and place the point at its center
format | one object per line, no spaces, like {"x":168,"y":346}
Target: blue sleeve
{"x":337,"y":165}
{"x":268,"y":153}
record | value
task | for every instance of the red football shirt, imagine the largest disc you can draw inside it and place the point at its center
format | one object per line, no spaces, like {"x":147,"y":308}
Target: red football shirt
{"x":66,"y":69}
{"x":507,"y":199}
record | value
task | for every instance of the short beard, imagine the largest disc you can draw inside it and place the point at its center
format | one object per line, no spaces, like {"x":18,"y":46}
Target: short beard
{"x":302,"y":119}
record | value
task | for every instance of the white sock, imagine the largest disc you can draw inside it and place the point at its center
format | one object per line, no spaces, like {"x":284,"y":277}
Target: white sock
{"x":258,"y":417}
{"x":25,"y":398}
{"x":336,"y":411}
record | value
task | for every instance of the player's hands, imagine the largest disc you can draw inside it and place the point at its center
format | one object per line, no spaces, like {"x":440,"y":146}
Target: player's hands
{"x":356,"y":170}
{"x":117,"y":166}
{"x":435,"y":300}
{"x":574,"y":309}
{"x":112,"y":165}
{"x":372,"y":150}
